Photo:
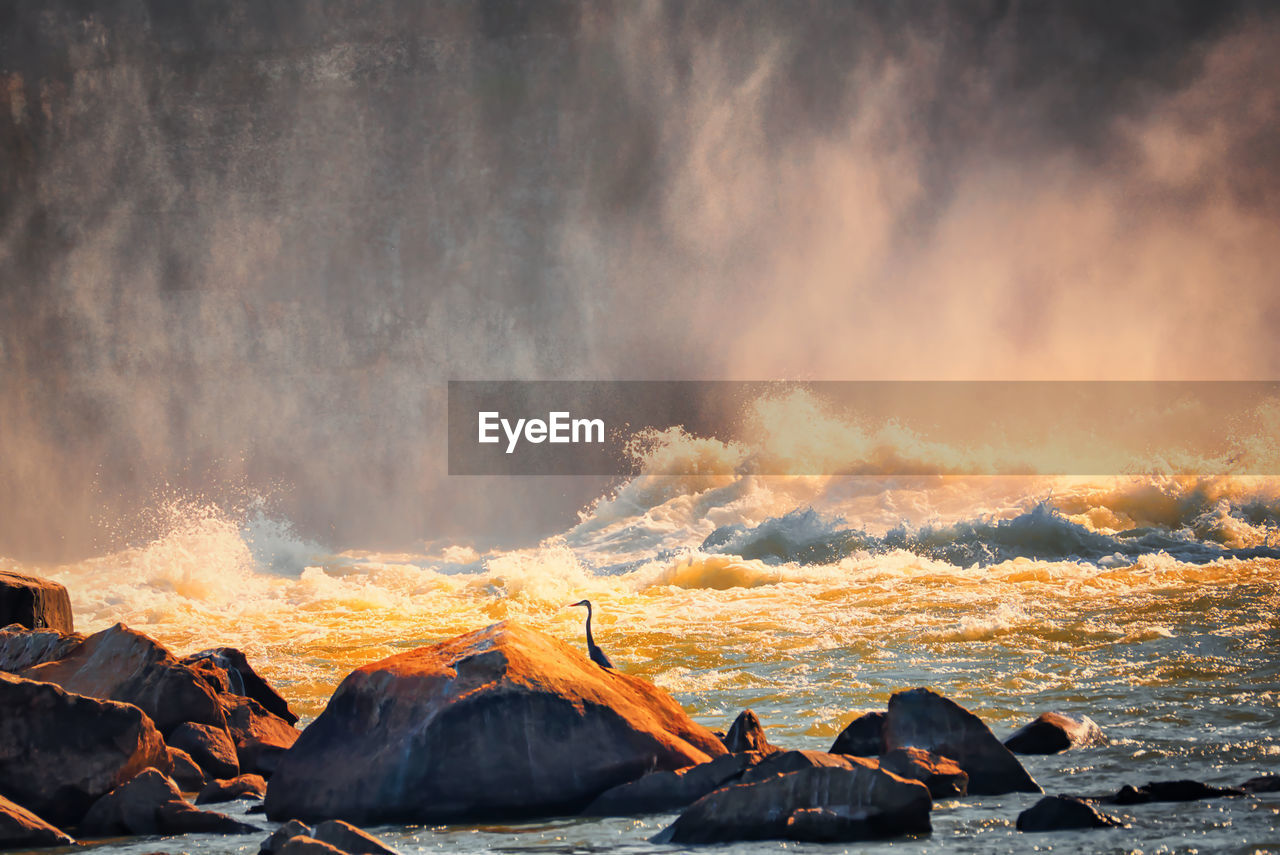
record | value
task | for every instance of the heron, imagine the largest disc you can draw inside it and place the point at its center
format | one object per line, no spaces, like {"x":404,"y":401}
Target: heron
{"x":597,"y":655}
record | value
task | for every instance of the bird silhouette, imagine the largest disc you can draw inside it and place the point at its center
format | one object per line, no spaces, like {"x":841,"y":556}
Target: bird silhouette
{"x":597,"y":655}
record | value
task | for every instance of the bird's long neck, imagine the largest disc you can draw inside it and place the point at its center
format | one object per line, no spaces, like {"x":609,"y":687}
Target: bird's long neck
{"x":590,"y":640}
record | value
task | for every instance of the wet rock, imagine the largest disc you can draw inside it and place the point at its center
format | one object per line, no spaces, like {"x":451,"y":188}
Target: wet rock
{"x":660,"y":792}
{"x":1171,"y":791}
{"x":304,"y":845}
{"x":921,"y":718}
{"x":60,"y":752}
{"x":260,"y":738}
{"x":151,"y":804}
{"x":784,"y":762}
{"x":1059,"y":813}
{"x":943,"y":777}
{"x":862,"y":737}
{"x":503,"y":722}
{"x":240,"y":679}
{"x":1053,"y":732}
{"x":120,"y":664}
{"x":22,"y":829}
{"x":184,"y":770}
{"x":291,"y":829}
{"x":34,"y":602}
{"x":747,"y":734}
{"x":348,"y":838}
{"x":821,"y":804}
{"x":211,"y":748}
{"x":251,"y":787}
{"x":21,"y":648}
{"x":1262,"y":784}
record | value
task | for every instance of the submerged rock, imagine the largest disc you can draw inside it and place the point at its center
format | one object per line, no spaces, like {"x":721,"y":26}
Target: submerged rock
{"x":151,"y":804}
{"x":22,"y":829}
{"x":234,"y":671}
{"x":943,"y":777}
{"x":21,"y":648}
{"x":1053,"y":732}
{"x":862,"y":737}
{"x":34,"y":603}
{"x":659,"y":792}
{"x":240,"y":787}
{"x":211,"y":748}
{"x":819,"y":803}
{"x":920,"y":718}
{"x":747,"y":734}
{"x":1262,"y":784}
{"x":1171,"y":791}
{"x":120,"y":664}
{"x":60,"y":752}
{"x":504,"y":722}
{"x":1059,"y":813}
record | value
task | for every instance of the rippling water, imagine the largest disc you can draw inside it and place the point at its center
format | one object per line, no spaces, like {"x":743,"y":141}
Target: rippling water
{"x":1148,"y":604}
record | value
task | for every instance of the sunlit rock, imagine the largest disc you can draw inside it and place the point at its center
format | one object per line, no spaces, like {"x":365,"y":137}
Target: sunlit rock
{"x":1053,"y":732}
{"x":34,"y":603}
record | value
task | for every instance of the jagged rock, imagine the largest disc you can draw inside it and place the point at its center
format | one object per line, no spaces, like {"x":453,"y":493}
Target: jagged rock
{"x":348,"y":838}
{"x":34,"y":602}
{"x":499,"y":723}
{"x":1053,"y":732}
{"x":921,"y":718}
{"x":151,"y":804}
{"x":240,"y":787}
{"x":120,"y":664}
{"x":185,"y":771}
{"x":211,"y":748}
{"x":943,"y":777}
{"x":862,"y":737}
{"x":747,"y":734}
{"x":304,"y":845}
{"x":21,"y":648}
{"x":1058,"y":813}
{"x":291,"y":829}
{"x":240,"y":679}
{"x":660,"y":792}
{"x":60,"y":752}
{"x":1171,"y":791}
{"x":820,"y":804}
{"x":22,"y":829}
{"x":1262,"y":784}
{"x":260,"y":738}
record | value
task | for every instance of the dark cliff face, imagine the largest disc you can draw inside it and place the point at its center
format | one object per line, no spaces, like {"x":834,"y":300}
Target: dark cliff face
{"x":243,"y":245}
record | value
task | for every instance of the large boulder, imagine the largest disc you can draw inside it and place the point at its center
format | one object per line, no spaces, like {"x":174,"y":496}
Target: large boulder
{"x":660,"y":792}
{"x":503,"y":722}
{"x":348,"y":838}
{"x":862,"y":737}
{"x":234,"y":672}
{"x":211,"y":748}
{"x":747,"y":734}
{"x":260,"y":737}
{"x":819,"y":803}
{"x":21,"y":648}
{"x":22,"y":829}
{"x":1053,"y":732}
{"x":60,"y":752}
{"x":784,"y":762}
{"x":34,"y":602}
{"x":944,"y":778}
{"x":921,"y":718}
{"x":151,"y":804}
{"x":120,"y":664}
{"x":1060,"y":813}
{"x":252,"y":787}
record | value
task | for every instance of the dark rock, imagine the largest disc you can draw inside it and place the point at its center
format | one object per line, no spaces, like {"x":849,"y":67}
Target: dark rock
{"x":1128,"y":795}
{"x":291,"y":829}
{"x":22,"y":829}
{"x":921,"y":718}
{"x":251,"y":787}
{"x":34,"y":602}
{"x":184,"y":770}
{"x":241,"y":679}
{"x":60,"y":752}
{"x":119,"y":664}
{"x":821,"y":804}
{"x":1058,"y":813}
{"x":1171,"y":791}
{"x":747,"y":734}
{"x":1054,"y":732}
{"x":943,"y":777}
{"x":661,"y":792}
{"x":784,"y":762}
{"x":260,"y":738}
{"x":1262,"y":784}
{"x":505,"y":722}
{"x":862,"y":737}
{"x":303,"y":845}
{"x":348,"y":838}
{"x":210,"y":747}
{"x":21,"y":648}
{"x":151,"y":804}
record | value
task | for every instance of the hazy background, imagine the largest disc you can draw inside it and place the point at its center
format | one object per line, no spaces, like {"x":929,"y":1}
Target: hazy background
{"x":244,"y":245}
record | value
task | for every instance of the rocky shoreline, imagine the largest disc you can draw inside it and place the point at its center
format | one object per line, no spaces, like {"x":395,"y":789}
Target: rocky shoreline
{"x":111,"y":734}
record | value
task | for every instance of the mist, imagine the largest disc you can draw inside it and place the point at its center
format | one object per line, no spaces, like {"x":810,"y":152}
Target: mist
{"x":244,"y":245}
